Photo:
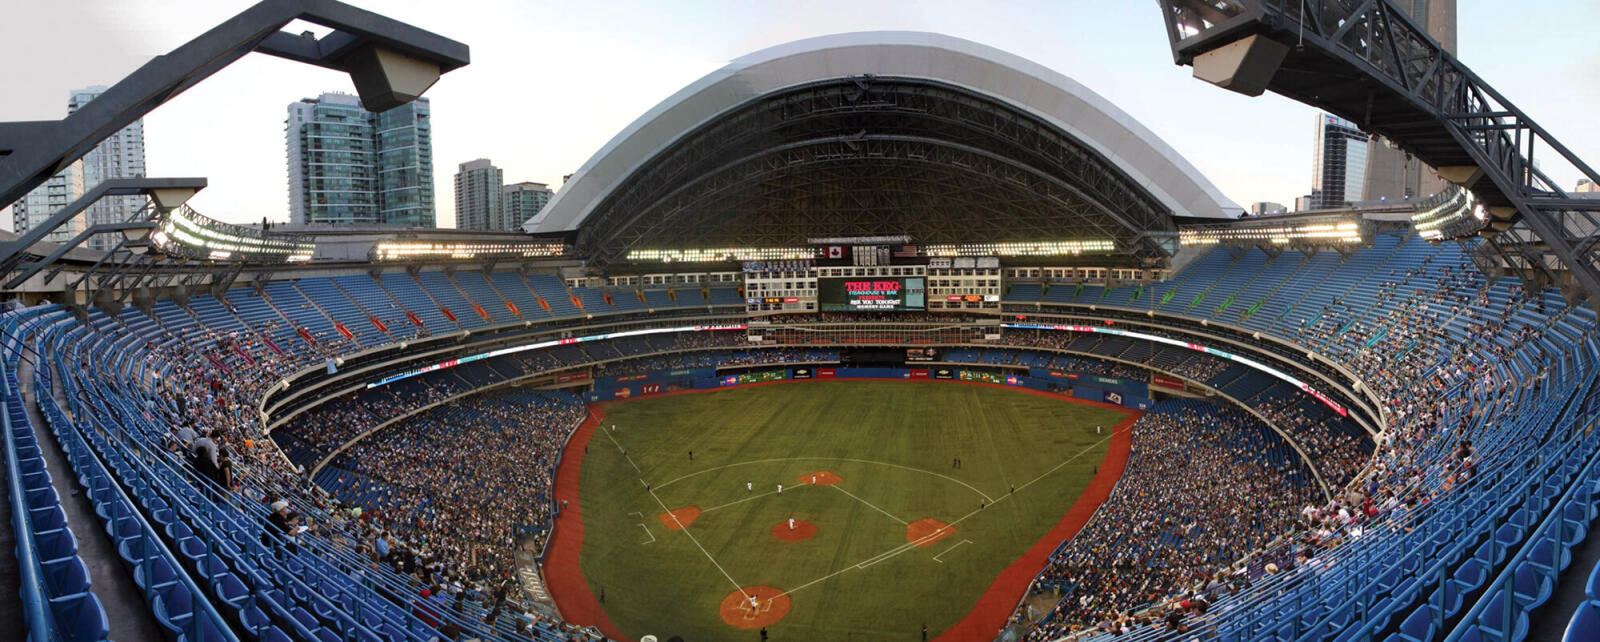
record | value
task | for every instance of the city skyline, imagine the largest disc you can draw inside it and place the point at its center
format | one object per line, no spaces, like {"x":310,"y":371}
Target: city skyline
{"x":578,"y":84}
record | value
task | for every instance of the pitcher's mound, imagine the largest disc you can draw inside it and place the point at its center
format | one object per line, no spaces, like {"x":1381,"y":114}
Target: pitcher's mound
{"x":820,"y":478}
{"x":924,"y":532}
{"x":769,"y":607}
{"x":679,"y":518}
{"x":802,"y":531}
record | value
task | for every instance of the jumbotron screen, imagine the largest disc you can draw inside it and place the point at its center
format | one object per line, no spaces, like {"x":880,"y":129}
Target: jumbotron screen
{"x":872,"y":294}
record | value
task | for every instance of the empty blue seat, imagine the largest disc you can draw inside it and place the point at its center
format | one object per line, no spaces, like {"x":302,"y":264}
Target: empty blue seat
{"x":1585,"y":623}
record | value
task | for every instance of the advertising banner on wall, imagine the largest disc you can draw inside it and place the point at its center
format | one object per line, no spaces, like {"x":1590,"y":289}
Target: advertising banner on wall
{"x":1166,"y":382}
{"x":800,"y":373}
{"x":825,"y":373}
{"x":943,"y":373}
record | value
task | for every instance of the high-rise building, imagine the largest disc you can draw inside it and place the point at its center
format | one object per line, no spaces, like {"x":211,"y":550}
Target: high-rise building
{"x":479,"y":185}
{"x":349,"y":165}
{"x":1586,"y":186}
{"x":1391,"y":173}
{"x":1339,"y":162}
{"x":1267,"y":207}
{"x":119,"y":156}
{"x":522,"y":202}
{"x":47,"y":199}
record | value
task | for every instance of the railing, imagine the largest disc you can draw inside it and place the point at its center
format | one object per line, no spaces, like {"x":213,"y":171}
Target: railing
{"x":40,"y":621}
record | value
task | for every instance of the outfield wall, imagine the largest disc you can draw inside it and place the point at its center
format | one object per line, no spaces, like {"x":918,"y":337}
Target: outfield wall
{"x":1090,"y":387}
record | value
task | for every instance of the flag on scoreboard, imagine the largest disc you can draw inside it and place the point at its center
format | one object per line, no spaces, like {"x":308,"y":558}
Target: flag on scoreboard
{"x":837,"y":252}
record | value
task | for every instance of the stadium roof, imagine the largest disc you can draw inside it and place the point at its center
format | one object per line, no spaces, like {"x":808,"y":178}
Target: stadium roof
{"x":797,"y":131}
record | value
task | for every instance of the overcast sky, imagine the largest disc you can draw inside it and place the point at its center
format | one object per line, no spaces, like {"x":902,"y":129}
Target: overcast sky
{"x":551,"y":82}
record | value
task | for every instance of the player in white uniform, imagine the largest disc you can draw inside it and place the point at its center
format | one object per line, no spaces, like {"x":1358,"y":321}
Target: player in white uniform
{"x":780,"y":489}
{"x":791,"y":523}
{"x":749,"y":487}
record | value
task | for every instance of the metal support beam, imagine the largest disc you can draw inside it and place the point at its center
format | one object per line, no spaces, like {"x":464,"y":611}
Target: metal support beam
{"x":29,"y":269}
{"x":169,"y":189}
{"x":389,"y":62}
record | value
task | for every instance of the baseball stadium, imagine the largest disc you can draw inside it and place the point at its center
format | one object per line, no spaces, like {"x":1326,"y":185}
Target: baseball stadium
{"x":869,"y":336}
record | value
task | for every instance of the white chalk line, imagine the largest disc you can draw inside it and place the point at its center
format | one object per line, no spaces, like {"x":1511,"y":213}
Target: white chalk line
{"x":741,"y":501}
{"x":870,"y":505}
{"x":985,"y":496}
{"x":647,"y":532}
{"x":685,"y":530}
{"x":624,"y":452}
{"x":952,"y":547}
{"x":886,"y":555}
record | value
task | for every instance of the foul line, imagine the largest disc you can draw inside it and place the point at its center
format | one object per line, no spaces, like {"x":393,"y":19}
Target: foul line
{"x":886,"y":555}
{"x":624,"y":452}
{"x":871,"y":505}
{"x":953,"y":547}
{"x":985,"y":496}
{"x":685,"y":530}
{"x":1063,"y":463}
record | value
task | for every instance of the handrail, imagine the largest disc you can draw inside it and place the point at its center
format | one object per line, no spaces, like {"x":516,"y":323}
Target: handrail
{"x":1503,"y":583}
{"x":202,"y":598}
{"x":41,"y":624}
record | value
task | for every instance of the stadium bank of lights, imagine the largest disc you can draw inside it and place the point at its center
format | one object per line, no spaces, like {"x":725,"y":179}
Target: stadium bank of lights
{"x":718,"y":255}
{"x":1457,"y":214}
{"x":406,"y":250}
{"x":186,"y":233}
{"x":1318,"y":231}
{"x":1022,"y":248}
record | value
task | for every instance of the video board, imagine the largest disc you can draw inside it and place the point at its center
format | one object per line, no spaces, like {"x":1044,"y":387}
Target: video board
{"x":872,"y":294}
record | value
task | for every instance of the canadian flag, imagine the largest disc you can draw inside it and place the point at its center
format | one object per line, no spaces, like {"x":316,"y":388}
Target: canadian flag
{"x":835,"y":251}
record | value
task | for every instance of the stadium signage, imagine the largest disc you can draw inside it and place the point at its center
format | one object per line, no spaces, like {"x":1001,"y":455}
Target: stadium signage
{"x":548,"y":344}
{"x":855,"y":295}
{"x":1251,"y":363}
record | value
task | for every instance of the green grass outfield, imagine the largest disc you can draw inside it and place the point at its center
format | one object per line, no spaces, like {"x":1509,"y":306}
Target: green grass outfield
{"x":892,"y":442}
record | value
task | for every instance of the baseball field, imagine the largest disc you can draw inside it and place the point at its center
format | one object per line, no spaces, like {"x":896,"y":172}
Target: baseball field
{"x":912,"y":504}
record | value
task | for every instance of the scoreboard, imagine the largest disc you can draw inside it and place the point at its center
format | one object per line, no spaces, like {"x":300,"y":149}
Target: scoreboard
{"x":871,"y":294}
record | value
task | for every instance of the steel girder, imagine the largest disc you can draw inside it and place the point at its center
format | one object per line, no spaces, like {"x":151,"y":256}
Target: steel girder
{"x":889,"y":155}
{"x":389,"y":62}
{"x":1368,"y":62}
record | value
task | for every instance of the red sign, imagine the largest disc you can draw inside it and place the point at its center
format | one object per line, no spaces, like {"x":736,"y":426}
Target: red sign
{"x":623,"y":393}
{"x":571,"y":376}
{"x":825,"y":373}
{"x":1167,"y":382}
{"x":636,"y":377}
{"x":650,"y":388}
{"x":791,"y":299}
{"x":919,"y":373}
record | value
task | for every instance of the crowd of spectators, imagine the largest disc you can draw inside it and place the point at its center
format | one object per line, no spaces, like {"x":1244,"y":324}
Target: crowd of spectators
{"x":1204,"y":486}
{"x":461,"y":480}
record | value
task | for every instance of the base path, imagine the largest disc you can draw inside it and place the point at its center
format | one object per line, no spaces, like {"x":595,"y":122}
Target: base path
{"x":802,"y":531}
{"x":769,"y":606}
{"x":993,"y":610}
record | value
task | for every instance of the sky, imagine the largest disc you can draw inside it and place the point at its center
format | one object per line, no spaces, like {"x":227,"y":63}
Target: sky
{"x":551,"y":82}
